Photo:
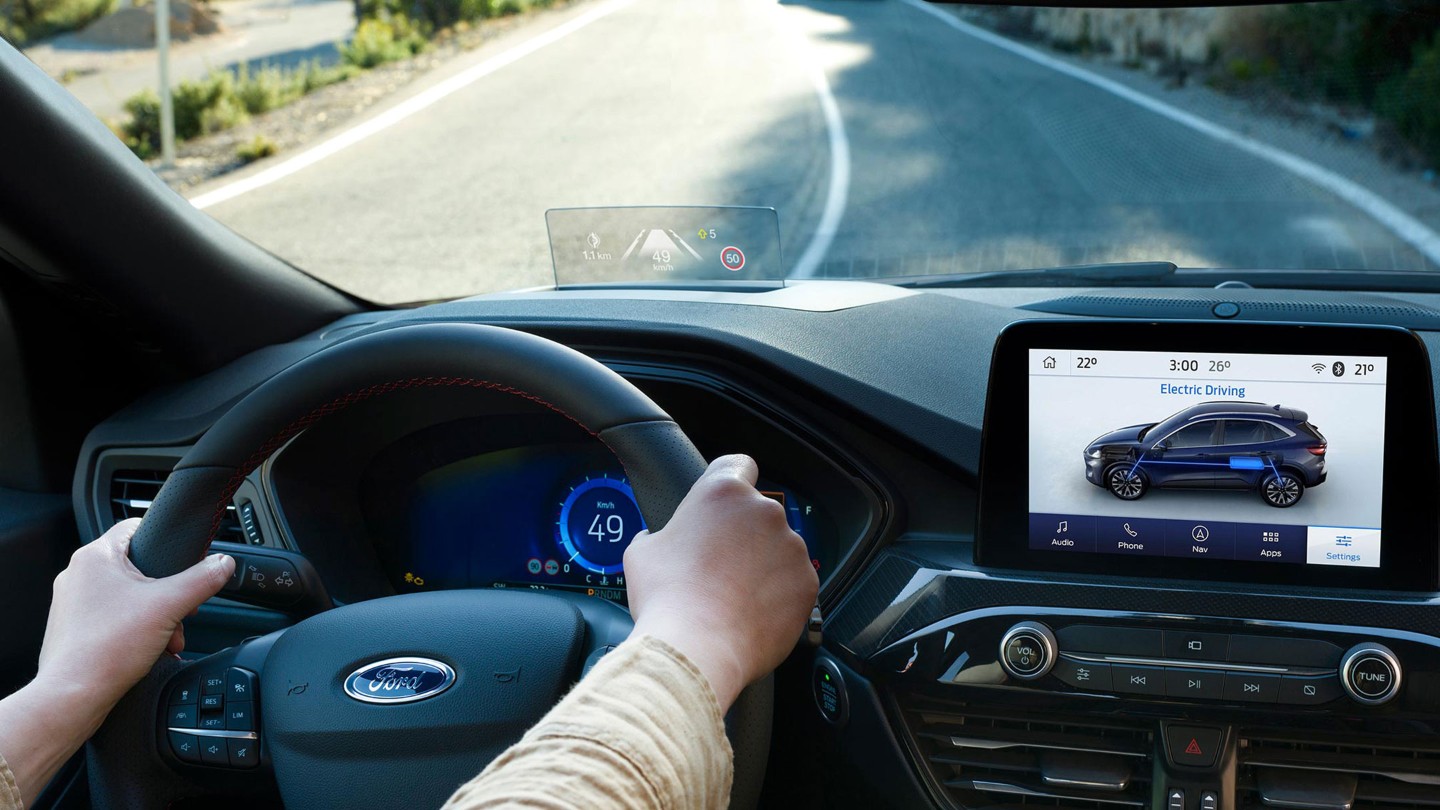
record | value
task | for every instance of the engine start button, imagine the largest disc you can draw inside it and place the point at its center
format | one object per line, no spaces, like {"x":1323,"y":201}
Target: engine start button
{"x":828,"y":687}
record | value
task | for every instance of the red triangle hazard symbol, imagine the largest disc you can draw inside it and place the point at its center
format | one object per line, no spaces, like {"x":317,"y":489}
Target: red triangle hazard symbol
{"x":1193,"y":748}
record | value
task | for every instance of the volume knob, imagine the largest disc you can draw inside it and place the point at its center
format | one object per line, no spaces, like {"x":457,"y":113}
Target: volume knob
{"x":1027,"y":651}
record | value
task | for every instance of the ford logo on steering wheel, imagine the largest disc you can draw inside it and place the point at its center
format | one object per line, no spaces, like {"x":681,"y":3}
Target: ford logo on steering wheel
{"x":399,"y":680}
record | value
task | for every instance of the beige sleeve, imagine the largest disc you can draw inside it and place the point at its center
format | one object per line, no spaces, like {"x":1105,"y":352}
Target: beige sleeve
{"x":9,"y":791}
{"x":643,"y":730}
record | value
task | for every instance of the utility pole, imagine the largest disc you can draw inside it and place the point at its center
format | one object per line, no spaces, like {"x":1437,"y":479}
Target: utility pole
{"x":167,"y":104}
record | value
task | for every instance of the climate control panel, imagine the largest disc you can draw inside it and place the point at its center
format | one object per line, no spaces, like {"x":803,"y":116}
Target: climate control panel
{"x":1261,"y":665}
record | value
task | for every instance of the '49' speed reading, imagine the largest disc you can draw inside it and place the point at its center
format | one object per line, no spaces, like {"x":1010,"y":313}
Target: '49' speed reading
{"x":597,"y":521}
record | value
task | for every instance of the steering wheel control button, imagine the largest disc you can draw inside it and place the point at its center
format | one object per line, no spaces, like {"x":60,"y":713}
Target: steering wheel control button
{"x":1137,"y":680}
{"x":1027,"y":651}
{"x":185,"y":746}
{"x":1300,"y":690}
{"x":1370,"y":673}
{"x":828,"y":687}
{"x":1249,"y":687}
{"x":212,"y":684}
{"x":239,"y":717}
{"x":212,"y":722}
{"x":239,"y":684}
{"x":242,"y":753}
{"x":1095,"y":638}
{"x":187,"y":691}
{"x":182,"y":716}
{"x":212,"y":703}
{"x":1194,"y":746}
{"x":1198,"y":646}
{"x":213,"y":751}
{"x":1286,"y":652}
{"x":1202,"y":684}
{"x":1083,"y":675}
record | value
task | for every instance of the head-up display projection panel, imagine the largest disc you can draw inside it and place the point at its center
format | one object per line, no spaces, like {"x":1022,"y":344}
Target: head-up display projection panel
{"x":681,"y":244}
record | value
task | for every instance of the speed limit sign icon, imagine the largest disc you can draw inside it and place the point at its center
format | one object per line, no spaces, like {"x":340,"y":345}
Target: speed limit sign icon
{"x":733,"y":258}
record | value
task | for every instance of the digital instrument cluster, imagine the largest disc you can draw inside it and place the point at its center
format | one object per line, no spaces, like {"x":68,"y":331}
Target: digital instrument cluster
{"x":550,"y":516}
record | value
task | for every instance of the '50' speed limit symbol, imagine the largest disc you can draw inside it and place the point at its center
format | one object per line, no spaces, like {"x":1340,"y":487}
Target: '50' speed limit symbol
{"x":733,"y":258}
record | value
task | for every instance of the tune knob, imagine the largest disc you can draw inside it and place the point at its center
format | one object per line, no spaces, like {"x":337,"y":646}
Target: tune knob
{"x":1027,"y":651}
{"x":1370,"y":673}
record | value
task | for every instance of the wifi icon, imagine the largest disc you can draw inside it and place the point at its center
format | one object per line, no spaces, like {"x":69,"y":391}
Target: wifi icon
{"x":1319,"y":367}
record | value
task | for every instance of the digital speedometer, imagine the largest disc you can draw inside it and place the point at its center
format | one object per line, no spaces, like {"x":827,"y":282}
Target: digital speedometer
{"x":597,"y":521}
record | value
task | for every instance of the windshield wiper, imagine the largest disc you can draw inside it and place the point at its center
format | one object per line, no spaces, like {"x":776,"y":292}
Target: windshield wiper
{"x":1140,"y":274}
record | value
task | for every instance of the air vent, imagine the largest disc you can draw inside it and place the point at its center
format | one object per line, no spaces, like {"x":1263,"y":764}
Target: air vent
{"x":994,"y":760}
{"x":132,"y":491}
{"x":1308,"y":772}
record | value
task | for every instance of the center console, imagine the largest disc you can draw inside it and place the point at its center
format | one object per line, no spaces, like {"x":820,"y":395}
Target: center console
{"x":1204,"y":578}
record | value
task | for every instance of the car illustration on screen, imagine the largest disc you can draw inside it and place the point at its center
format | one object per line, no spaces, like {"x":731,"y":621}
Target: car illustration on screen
{"x":1269,"y":449}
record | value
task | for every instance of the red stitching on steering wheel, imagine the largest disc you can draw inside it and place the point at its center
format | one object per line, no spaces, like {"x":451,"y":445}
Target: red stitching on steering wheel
{"x":360,"y":395}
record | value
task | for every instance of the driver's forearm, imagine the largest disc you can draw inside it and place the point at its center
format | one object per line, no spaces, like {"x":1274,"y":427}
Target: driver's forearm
{"x":643,"y":730}
{"x":41,"y":726}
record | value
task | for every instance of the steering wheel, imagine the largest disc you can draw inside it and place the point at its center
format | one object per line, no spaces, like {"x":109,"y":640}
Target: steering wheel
{"x":512,"y":654}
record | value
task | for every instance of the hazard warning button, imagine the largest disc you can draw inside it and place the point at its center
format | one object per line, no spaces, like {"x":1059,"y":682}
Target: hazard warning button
{"x":1194,"y":746}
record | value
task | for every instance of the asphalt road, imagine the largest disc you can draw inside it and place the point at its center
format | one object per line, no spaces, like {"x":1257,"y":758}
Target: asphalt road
{"x":961,"y":156}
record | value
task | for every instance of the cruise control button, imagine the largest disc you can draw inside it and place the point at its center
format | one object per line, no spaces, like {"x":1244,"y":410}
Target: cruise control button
{"x":1195,"y":746}
{"x":213,"y":684}
{"x":239,"y":684}
{"x":1083,"y":674}
{"x":185,"y":691}
{"x":1301,"y":690}
{"x":182,"y":716}
{"x":185,"y":746}
{"x":213,"y":751}
{"x":239,"y":717}
{"x":243,"y":753}
{"x":1251,"y":688}
{"x":212,"y":703}
{"x":1137,"y":680}
{"x":1201,"y":646}
{"x":1206,"y":684}
{"x":212,"y":722}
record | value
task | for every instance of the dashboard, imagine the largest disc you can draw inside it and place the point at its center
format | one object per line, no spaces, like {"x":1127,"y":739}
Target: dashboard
{"x":1135,"y":548}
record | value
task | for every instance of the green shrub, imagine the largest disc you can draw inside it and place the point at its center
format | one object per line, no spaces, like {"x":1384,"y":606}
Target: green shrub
{"x":141,"y":131}
{"x":378,"y":41}
{"x":1412,"y":100}
{"x":256,"y":148}
{"x":26,"y":20}
{"x":264,"y":89}
{"x":1344,"y":51}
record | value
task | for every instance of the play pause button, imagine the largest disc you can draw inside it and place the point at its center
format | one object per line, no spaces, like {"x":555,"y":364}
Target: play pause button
{"x":1194,"y":683}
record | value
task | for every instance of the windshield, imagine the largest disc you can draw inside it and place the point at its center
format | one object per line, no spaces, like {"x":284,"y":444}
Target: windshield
{"x":409,"y":151}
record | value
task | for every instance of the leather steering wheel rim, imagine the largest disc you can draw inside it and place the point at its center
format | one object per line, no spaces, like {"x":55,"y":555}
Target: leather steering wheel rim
{"x":659,"y":460}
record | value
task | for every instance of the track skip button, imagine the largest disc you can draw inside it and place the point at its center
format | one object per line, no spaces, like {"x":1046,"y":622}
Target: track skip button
{"x":1137,"y":680}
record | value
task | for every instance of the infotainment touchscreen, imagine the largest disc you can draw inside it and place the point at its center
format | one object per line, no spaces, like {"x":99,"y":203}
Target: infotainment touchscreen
{"x":1207,"y":456}
{"x":1284,"y":454}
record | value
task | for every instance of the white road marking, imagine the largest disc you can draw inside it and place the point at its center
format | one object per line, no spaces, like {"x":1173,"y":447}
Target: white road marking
{"x":403,"y":110}
{"x":1398,"y":222}
{"x":839,"y":191}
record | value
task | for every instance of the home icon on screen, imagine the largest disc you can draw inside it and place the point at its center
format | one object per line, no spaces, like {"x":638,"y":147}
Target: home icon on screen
{"x":1049,"y":362}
